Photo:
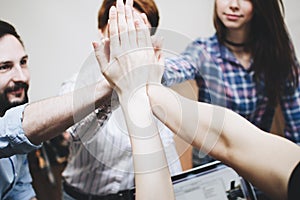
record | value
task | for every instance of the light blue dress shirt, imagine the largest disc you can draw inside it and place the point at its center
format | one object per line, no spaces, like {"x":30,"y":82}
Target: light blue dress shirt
{"x":15,"y":178}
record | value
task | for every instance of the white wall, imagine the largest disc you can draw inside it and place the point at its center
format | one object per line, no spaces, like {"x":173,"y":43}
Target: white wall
{"x":58,"y":34}
{"x":292,"y":17}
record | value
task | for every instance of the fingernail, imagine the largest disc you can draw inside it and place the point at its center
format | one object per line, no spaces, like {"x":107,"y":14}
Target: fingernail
{"x":113,"y":9}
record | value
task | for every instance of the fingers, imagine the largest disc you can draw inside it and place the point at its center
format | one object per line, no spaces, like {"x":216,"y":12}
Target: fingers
{"x":131,"y":26}
{"x":122,"y":24}
{"x":157,"y":43}
{"x":145,"y":20}
{"x":142,"y":31}
{"x":113,"y":30}
{"x":148,"y":25}
{"x":100,"y":55}
{"x":106,"y":49}
{"x":129,"y":3}
{"x":127,"y":28}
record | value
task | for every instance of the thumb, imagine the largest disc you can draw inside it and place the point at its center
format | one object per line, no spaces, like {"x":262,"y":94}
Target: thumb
{"x":100,"y":55}
{"x":157,"y":42}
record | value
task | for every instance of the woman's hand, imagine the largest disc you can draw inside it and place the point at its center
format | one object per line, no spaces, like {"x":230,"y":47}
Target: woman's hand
{"x":132,"y":61}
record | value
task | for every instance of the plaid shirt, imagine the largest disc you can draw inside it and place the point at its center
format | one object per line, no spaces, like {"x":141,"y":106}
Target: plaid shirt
{"x":222,"y":80}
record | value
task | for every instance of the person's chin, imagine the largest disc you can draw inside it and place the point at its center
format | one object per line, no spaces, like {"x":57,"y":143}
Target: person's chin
{"x":18,"y":101}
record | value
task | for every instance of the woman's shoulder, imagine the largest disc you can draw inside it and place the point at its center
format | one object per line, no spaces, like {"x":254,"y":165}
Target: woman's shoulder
{"x":210,"y":45}
{"x":207,"y":41}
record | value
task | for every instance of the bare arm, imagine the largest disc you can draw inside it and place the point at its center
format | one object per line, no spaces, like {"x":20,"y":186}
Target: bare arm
{"x":150,"y":164}
{"x":264,"y":159}
{"x":131,"y":57}
{"x":47,"y":118}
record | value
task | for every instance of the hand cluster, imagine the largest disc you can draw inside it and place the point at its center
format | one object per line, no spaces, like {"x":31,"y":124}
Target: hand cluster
{"x":127,"y":58}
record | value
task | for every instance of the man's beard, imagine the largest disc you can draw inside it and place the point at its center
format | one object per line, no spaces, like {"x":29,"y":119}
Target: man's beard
{"x":6,"y":104}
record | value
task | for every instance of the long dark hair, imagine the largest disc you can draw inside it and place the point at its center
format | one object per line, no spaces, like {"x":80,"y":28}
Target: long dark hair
{"x":270,"y":46}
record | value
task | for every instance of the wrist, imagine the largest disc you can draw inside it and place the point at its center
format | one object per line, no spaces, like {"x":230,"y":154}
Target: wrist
{"x":136,"y":94}
{"x":136,"y":105}
{"x":103,"y":92}
{"x":154,"y":90}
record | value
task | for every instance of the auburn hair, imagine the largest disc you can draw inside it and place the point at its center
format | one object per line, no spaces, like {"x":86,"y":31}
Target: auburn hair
{"x":144,"y":6}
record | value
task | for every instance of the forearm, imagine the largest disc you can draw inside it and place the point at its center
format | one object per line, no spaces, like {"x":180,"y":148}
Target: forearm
{"x":47,"y":118}
{"x":265,"y":159}
{"x":183,"y":118}
{"x":229,"y":138}
{"x":150,"y":163}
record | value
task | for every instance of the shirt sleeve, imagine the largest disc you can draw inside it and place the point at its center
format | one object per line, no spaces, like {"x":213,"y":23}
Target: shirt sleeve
{"x":12,"y":137}
{"x":290,"y":104}
{"x":82,"y":129}
{"x":184,"y":67}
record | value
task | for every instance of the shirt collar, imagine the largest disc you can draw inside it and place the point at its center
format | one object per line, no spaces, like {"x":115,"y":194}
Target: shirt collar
{"x":228,"y":56}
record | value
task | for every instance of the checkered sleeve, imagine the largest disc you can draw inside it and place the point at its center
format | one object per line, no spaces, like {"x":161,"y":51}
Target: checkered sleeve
{"x":184,"y":67}
{"x":290,"y":104}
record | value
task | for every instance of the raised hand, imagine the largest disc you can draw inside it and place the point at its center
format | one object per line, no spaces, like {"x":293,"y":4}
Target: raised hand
{"x":132,"y":62}
{"x":131,"y":65}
